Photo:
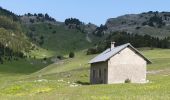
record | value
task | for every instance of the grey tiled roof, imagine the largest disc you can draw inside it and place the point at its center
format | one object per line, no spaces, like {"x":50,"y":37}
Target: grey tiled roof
{"x":107,"y":54}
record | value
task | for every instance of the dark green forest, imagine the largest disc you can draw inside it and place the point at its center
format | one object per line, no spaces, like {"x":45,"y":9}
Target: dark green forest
{"x":136,"y":40}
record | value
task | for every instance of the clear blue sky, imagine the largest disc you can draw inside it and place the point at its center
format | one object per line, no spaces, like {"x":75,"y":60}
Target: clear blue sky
{"x":95,"y":11}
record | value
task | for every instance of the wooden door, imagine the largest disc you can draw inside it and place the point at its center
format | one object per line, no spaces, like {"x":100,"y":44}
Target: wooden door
{"x":105,"y":76}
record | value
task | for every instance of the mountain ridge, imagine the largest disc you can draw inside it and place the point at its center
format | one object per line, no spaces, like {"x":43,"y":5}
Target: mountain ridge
{"x":152,"y":23}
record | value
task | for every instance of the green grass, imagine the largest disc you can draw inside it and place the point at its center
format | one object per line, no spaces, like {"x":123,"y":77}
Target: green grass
{"x":17,"y":70}
{"x":159,"y":57}
{"x":69,"y":79}
{"x":41,"y":53}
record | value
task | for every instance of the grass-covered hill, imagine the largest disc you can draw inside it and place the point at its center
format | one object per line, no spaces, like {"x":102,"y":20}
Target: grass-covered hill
{"x":57,"y":38}
{"x":13,"y":42}
{"x":11,"y":34}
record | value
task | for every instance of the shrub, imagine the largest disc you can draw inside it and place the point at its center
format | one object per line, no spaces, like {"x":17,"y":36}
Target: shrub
{"x":127,"y":81}
{"x":1,"y":61}
{"x":71,"y":54}
{"x":54,"y":32}
{"x":95,"y":50}
{"x":32,"y":20}
{"x":50,"y":27}
{"x":32,"y":28}
{"x":59,"y":57}
{"x":138,"y":28}
{"x":44,"y":58}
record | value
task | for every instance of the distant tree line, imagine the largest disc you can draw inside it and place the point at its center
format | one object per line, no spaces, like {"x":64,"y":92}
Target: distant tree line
{"x":135,"y":39}
{"x":155,"y":21}
{"x":74,"y":23}
{"x":40,"y":17}
{"x":8,"y":23}
{"x":7,"y":13}
{"x":8,"y":54}
{"x":100,"y":31}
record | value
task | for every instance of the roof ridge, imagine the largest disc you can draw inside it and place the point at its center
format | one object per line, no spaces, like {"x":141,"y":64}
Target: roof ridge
{"x":105,"y":55}
{"x":115,"y":48}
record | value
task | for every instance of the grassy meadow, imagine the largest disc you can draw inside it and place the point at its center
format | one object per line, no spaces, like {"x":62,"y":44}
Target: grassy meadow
{"x":69,"y":80}
{"x":58,"y":39}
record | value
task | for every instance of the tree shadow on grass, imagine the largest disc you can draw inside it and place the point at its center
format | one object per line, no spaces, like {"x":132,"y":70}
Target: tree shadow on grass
{"x":83,"y":83}
{"x":23,"y":66}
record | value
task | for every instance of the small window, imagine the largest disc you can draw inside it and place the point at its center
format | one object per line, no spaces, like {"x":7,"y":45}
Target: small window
{"x":100,"y":73}
{"x":94,"y":73}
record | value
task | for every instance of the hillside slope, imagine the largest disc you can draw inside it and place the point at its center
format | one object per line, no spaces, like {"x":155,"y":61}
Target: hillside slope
{"x":156,"y":24}
{"x":20,"y":33}
{"x":12,"y":39}
{"x":55,"y":36}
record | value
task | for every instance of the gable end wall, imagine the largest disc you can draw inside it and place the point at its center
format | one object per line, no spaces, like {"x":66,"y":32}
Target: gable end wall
{"x":126,"y":65}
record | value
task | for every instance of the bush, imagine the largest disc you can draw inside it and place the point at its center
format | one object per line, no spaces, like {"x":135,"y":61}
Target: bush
{"x":32,"y":20}
{"x":54,"y":32}
{"x":72,"y":21}
{"x":1,"y":61}
{"x":59,"y":57}
{"x":44,"y":58}
{"x":127,"y":81}
{"x":138,"y":28}
{"x":71,"y":55}
{"x":97,"y":50}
